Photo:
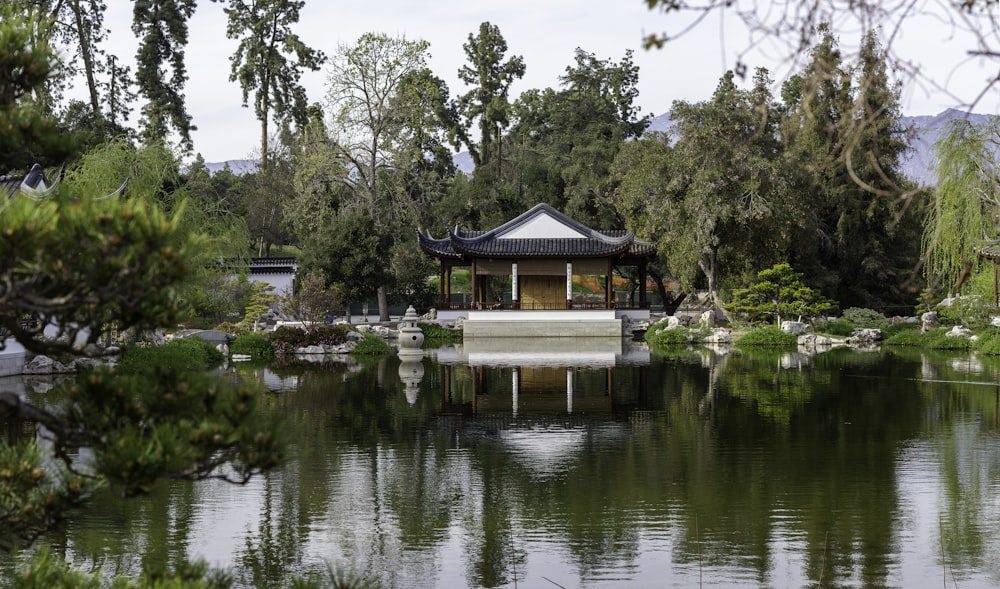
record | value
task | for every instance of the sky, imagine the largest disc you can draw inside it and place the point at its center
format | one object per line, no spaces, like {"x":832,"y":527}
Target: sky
{"x":546,"y":34}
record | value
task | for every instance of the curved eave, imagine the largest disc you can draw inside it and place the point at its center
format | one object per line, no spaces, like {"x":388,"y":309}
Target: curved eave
{"x":437,"y":248}
{"x":538,"y":248}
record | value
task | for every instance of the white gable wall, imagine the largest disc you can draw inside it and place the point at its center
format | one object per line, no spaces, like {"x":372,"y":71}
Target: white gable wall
{"x":543,"y":227}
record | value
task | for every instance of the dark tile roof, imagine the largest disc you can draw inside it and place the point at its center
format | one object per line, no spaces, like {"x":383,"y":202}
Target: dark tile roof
{"x":497,"y":243}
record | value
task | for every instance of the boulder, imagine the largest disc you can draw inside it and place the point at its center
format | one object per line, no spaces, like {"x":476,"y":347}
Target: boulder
{"x":929,"y":321}
{"x":45,"y":365}
{"x":794,"y":327}
{"x":719,"y":335}
{"x":959,"y":331}
{"x":864,"y":336}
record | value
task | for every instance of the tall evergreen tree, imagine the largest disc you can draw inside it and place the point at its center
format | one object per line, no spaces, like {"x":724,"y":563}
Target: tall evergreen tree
{"x":269,"y":61}
{"x":487,"y":103}
{"x":162,"y":30}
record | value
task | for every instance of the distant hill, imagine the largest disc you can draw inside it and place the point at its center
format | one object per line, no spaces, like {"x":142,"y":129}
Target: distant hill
{"x":918,"y":165}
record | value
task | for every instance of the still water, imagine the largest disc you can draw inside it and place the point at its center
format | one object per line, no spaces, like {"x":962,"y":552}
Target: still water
{"x":535,"y":464}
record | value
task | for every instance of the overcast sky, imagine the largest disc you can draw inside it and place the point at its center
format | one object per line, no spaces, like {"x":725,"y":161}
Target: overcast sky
{"x":544,"y":32}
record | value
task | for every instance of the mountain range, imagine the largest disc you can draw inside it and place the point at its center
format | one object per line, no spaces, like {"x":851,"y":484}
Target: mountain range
{"x":918,"y":163}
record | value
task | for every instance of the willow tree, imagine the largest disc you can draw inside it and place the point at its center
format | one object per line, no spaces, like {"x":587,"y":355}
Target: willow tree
{"x":966,"y":208}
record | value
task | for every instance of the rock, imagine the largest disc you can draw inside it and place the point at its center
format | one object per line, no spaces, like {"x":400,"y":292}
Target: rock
{"x":929,"y":321}
{"x":865,"y":337}
{"x":707,"y":319}
{"x":672,"y":322}
{"x":45,"y":365}
{"x":794,"y":327}
{"x":431,"y":314}
{"x":719,"y":335}
{"x":959,"y":331}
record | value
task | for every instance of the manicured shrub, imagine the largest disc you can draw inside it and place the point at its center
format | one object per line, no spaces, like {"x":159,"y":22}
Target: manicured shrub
{"x":835,"y":327}
{"x":861,"y":317}
{"x":180,"y":354}
{"x":372,"y":345}
{"x":678,"y":336}
{"x":433,"y":331}
{"x":284,"y":340}
{"x":768,"y":336}
{"x":256,"y":345}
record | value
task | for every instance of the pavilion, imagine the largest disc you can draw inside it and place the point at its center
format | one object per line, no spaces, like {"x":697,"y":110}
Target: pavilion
{"x":522,"y":276}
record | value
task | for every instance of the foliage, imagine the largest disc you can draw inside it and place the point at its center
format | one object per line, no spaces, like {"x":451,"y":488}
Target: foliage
{"x":438,"y":333}
{"x":988,"y":342}
{"x":27,"y":132}
{"x":78,"y":264}
{"x":259,"y":303}
{"x":779,"y":293}
{"x":269,"y":61}
{"x":162,"y":30}
{"x":836,"y":327}
{"x":964,"y":215}
{"x":372,"y":345}
{"x":33,"y":498}
{"x":489,"y":78}
{"x":767,"y":336}
{"x":284,"y":340}
{"x":971,"y":311}
{"x":660,"y":336}
{"x":934,"y":339}
{"x":311,"y":301}
{"x":256,"y":345}
{"x":862,"y":317}
{"x":179,"y":355}
{"x":719,"y":185}
{"x":44,"y":571}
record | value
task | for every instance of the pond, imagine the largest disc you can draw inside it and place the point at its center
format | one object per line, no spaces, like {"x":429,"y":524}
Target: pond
{"x":550,"y":463}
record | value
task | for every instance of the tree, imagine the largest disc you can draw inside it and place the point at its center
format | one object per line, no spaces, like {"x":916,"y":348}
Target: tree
{"x":486,"y":104}
{"x":269,"y":60}
{"x":717,"y":198}
{"x":845,"y":141}
{"x":793,"y":26}
{"x":778,"y":293}
{"x":966,"y":208}
{"x":378,"y":92}
{"x":27,"y":134}
{"x":563,"y":142}
{"x":161,"y":27}
{"x":72,"y":267}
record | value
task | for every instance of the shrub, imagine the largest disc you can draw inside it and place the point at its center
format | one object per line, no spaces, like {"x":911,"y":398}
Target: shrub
{"x":372,"y":345}
{"x":910,"y":337}
{"x":837,"y":327}
{"x":678,"y":336}
{"x":934,"y":340}
{"x":971,"y":311}
{"x":433,"y":331}
{"x":285,"y":339}
{"x":256,"y":345}
{"x":180,"y":355}
{"x":861,"y":317}
{"x":989,"y":343}
{"x":768,"y":336}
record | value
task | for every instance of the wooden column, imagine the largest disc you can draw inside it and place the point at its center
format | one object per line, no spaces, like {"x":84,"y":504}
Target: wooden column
{"x":609,"y":286}
{"x":513,"y":285}
{"x":475,"y":286}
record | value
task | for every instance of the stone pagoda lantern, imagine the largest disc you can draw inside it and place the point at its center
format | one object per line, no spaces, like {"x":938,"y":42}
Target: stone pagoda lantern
{"x":410,"y":336}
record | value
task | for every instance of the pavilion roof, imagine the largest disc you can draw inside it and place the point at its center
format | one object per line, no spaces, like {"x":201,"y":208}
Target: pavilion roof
{"x":541,"y":232}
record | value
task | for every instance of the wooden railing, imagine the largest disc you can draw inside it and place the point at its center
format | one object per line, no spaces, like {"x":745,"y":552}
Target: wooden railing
{"x":535,"y":306}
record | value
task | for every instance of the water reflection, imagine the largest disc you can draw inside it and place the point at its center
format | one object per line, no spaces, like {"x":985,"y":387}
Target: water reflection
{"x":508,"y":467}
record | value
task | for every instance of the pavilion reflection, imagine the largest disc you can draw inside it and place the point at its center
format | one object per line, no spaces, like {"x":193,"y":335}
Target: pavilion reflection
{"x":544,"y":375}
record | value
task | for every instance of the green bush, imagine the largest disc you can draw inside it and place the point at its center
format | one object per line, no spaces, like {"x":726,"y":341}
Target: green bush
{"x":285,"y":339}
{"x":932,"y":340}
{"x":989,"y":342}
{"x":433,"y":331}
{"x":768,"y":336}
{"x":835,"y":327}
{"x":256,"y":345}
{"x":372,"y":345}
{"x":973,"y":312}
{"x":861,"y":317}
{"x":678,"y":336}
{"x":181,"y":355}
